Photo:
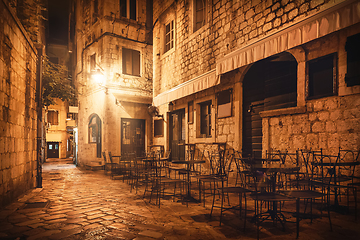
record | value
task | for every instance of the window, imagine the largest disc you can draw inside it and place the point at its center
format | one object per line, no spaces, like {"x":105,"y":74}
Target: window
{"x":131,"y":62}
{"x":128,"y":9}
{"x":224,"y":103}
{"x":92,"y":62}
{"x":169,"y":36}
{"x":205,"y":119}
{"x":95,"y":11}
{"x":199,"y":14}
{"x":53,"y":117}
{"x":158,"y":128}
{"x":190,"y":112}
{"x":322,"y":75}
{"x":352,"y":48}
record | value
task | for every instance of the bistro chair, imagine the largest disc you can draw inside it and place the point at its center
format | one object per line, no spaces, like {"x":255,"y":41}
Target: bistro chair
{"x":232,"y":188}
{"x":115,"y":166}
{"x":266,"y":197}
{"x":207,"y":182}
{"x":162,"y":182}
{"x":306,"y":192}
{"x":107,"y":167}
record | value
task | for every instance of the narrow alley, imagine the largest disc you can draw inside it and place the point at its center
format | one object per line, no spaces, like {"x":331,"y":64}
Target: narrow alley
{"x":75,"y":203}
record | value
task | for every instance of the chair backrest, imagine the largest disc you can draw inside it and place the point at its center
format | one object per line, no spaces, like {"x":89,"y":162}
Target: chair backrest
{"x":350,"y":170}
{"x":110,"y":157}
{"x":104,"y":156}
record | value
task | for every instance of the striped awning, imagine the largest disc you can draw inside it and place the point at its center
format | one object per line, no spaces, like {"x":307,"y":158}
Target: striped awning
{"x":333,"y":19}
{"x":194,"y":85}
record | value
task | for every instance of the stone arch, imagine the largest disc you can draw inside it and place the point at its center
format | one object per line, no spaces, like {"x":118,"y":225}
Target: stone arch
{"x":268,"y":84}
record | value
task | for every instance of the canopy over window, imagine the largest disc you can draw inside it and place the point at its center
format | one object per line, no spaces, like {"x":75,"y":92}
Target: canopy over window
{"x":194,"y":85}
{"x":333,"y":19}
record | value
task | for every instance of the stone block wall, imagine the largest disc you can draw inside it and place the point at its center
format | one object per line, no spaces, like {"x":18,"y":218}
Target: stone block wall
{"x":328,"y":123}
{"x":229,"y":26}
{"x":18,"y":108}
{"x":106,"y":38}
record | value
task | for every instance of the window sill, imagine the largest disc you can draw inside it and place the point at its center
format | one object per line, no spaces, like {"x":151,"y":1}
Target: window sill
{"x":284,"y":111}
{"x":168,"y":52}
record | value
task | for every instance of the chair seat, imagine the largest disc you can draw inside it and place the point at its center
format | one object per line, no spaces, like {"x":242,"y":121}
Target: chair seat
{"x":235,"y":190}
{"x":302,"y":194}
{"x":270,"y":196}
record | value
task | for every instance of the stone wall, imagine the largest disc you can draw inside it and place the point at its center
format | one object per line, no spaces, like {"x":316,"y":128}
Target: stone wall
{"x":18,"y":108}
{"x":106,"y":38}
{"x":229,"y":26}
{"x":328,"y":123}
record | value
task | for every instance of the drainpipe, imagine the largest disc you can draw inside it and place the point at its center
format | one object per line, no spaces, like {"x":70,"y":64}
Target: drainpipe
{"x":39,"y":136}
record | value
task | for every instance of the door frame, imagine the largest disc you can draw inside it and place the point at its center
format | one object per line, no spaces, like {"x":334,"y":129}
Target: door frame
{"x":47,"y":149}
{"x":179,"y":152}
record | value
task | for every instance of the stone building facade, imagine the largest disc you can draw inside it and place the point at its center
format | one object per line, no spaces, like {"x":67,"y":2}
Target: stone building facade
{"x":258,"y":75}
{"x":113,"y":39}
{"x":18,"y":115}
{"x":59,"y":122}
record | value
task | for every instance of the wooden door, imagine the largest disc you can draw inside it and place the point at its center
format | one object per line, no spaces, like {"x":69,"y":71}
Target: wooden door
{"x":133,"y":136}
{"x":269,"y":84}
{"x":177,"y":135}
{"x":53,"y":150}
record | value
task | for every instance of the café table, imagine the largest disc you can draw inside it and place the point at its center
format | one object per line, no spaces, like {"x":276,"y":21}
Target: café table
{"x":274,"y":196}
{"x":336,"y":180}
{"x":187,"y":169}
{"x":269,"y":169}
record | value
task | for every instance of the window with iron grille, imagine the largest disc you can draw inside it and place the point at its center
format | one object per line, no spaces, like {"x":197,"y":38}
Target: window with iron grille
{"x":169,"y":36}
{"x":131,"y":62}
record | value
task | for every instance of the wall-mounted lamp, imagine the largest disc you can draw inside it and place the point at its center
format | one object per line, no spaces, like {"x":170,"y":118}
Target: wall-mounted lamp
{"x":98,"y":77}
{"x":154,"y":111}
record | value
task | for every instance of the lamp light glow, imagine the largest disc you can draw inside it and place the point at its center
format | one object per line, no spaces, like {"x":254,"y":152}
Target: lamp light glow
{"x":98,"y":77}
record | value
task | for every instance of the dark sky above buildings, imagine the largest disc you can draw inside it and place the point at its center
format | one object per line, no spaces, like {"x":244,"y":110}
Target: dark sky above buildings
{"x":58,"y":21}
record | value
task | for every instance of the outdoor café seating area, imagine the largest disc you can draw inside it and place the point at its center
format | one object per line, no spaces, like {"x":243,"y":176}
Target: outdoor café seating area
{"x":278,"y":187}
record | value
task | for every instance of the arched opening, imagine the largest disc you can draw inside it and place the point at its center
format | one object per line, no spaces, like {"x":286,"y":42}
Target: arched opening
{"x":94,"y":133}
{"x":269,"y":84}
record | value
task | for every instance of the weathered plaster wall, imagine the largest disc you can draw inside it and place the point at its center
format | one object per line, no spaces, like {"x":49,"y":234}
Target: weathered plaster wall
{"x":18,"y":108}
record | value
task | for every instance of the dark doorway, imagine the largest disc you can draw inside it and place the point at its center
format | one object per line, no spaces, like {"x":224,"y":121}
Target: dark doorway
{"x":133,"y":136}
{"x":52,"y":149}
{"x":269,"y":84}
{"x":177,"y":134}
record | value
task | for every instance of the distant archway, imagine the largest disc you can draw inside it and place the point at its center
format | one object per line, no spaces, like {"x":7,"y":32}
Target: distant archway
{"x":268,"y":84}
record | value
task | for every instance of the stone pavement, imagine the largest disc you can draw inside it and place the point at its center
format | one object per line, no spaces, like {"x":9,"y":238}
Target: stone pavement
{"x":75,"y":203}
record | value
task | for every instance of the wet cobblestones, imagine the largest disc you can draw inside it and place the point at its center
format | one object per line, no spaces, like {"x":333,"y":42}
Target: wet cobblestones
{"x":82,"y":204}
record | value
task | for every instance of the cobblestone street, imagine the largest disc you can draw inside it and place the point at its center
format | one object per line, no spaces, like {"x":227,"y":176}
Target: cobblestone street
{"x":81,"y":204}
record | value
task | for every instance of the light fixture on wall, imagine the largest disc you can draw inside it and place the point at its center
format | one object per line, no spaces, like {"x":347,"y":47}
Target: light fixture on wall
{"x":154,"y":111}
{"x":98,"y":77}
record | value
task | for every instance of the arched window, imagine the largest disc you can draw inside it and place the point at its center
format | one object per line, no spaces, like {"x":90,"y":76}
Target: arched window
{"x":94,"y":133}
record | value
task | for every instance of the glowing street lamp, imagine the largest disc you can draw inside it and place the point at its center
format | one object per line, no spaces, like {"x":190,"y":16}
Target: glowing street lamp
{"x":98,"y":77}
